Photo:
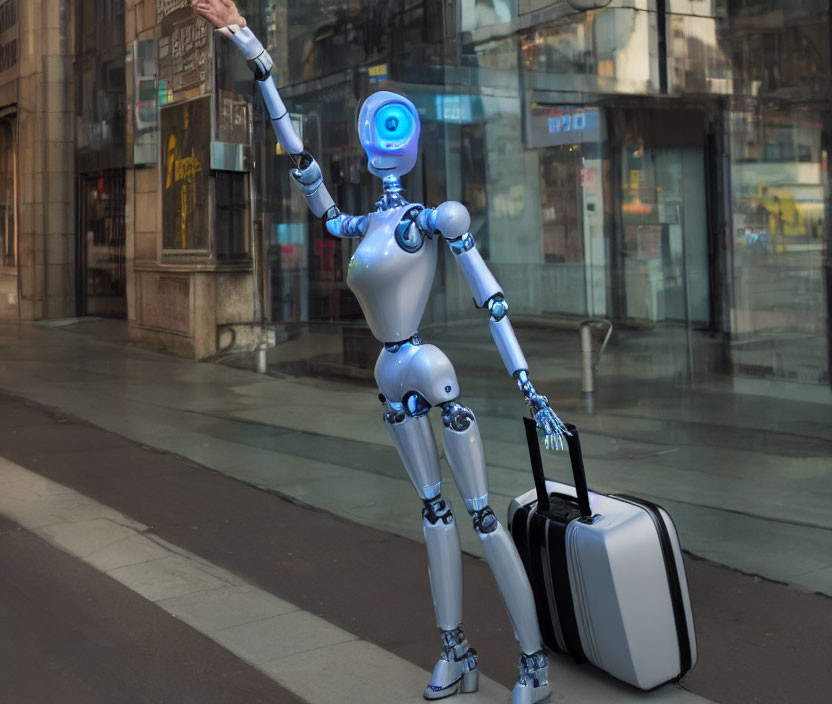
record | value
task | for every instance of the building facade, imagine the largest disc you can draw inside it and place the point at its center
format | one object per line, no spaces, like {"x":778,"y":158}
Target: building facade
{"x":660,"y":163}
{"x":37,"y":198}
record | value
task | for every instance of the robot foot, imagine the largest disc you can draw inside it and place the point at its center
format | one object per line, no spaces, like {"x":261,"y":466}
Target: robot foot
{"x":456,"y":670}
{"x":533,"y":685}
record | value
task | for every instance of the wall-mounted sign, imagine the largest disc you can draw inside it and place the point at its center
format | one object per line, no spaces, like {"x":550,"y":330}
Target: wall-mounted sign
{"x":186,"y":174}
{"x":377,"y":73}
{"x":185,"y":55}
{"x":550,"y":125}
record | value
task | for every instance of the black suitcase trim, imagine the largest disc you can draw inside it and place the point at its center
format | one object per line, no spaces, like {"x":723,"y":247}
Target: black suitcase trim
{"x":675,"y":587}
{"x":555,"y":531}
{"x":549,"y":521}
{"x":552,"y":532}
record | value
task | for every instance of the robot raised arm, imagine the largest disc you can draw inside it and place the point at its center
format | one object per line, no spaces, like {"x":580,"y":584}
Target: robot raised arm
{"x":451,"y":220}
{"x":306,"y":174}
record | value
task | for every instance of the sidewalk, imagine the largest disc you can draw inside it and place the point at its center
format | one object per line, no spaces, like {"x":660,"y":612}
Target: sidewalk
{"x":330,"y":611}
{"x":320,"y":442}
{"x":748,"y":479}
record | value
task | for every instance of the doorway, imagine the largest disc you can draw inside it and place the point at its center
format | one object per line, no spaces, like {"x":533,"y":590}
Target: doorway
{"x":661,"y":241}
{"x":102,"y":275}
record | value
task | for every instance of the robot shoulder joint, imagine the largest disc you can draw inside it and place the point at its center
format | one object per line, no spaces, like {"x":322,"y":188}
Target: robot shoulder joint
{"x":452,"y":220}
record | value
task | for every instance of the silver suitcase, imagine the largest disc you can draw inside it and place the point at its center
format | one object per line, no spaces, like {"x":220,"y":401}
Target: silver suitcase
{"x":607,"y":575}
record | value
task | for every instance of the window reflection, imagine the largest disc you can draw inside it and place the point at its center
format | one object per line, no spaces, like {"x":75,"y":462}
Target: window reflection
{"x":661,"y":169}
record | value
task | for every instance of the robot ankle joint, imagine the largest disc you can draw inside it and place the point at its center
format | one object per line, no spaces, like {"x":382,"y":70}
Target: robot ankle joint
{"x":452,"y":638}
{"x":534,"y":669}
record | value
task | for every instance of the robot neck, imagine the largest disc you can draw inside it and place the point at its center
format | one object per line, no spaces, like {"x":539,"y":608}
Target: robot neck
{"x":392,"y":196}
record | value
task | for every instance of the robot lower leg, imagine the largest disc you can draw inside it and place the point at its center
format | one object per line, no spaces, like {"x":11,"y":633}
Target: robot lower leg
{"x":456,"y":669}
{"x":463,"y":447}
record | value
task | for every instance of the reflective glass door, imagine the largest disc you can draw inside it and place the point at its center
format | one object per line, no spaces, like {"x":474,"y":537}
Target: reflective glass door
{"x":103,"y":274}
{"x":663,"y":235}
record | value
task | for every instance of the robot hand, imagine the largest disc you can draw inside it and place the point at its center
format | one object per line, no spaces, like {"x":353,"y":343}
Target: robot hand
{"x":547,"y":420}
{"x":220,"y":13}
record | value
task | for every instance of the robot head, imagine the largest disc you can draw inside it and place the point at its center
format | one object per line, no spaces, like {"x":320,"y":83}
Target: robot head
{"x":388,"y":127}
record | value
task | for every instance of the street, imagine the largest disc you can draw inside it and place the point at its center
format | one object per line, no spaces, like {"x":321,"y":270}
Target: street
{"x":333,"y":600}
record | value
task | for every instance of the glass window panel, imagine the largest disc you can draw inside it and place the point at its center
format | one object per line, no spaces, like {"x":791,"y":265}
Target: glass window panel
{"x":8,"y":192}
{"x":779,"y":190}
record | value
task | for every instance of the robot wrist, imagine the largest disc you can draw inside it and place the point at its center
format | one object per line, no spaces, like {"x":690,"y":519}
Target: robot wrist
{"x":244,"y":40}
{"x":256,"y":56}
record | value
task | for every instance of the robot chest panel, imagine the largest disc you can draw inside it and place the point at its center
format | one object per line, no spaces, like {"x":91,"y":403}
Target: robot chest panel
{"x":391,"y":273}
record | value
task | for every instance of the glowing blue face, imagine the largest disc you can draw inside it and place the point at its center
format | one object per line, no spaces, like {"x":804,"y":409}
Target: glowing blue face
{"x":388,"y":127}
{"x":394,"y":126}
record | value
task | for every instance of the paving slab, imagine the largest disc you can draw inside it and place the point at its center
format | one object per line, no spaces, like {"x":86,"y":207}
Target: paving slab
{"x":328,"y":673}
{"x":219,"y":609}
{"x":165,"y":578}
{"x":256,"y":626}
{"x":708,"y":447}
{"x":73,"y":635}
{"x":280,"y":636}
{"x":320,"y":563}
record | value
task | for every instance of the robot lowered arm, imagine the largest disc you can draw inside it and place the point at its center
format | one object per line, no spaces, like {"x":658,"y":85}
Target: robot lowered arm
{"x":306,"y":174}
{"x":451,"y":220}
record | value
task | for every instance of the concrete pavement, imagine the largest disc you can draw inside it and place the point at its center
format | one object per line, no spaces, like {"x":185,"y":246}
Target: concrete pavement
{"x":756,"y":637}
{"x":747,"y":478}
{"x":330,"y":611}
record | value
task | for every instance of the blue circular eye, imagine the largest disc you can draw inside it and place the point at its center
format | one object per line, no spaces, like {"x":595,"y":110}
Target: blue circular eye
{"x":394,"y":123}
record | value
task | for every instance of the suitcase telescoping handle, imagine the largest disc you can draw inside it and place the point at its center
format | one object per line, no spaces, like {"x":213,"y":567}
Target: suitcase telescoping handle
{"x":578,"y":474}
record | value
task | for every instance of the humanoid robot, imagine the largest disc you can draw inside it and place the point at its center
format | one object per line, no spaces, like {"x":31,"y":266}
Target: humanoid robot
{"x":391,"y":274}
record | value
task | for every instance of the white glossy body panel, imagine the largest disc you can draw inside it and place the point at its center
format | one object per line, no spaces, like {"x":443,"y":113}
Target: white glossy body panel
{"x":391,"y":285}
{"x":466,"y":458}
{"x":421,"y":368}
{"x":414,"y":440}
{"x":506,"y":341}
{"x":480,"y":279}
{"x":281,"y":122}
{"x":445,"y":572}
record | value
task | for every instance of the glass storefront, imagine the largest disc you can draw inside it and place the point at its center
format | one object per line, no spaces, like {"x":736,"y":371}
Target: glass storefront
{"x":8,"y":191}
{"x":101,"y":158}
{"x":662,"y":163}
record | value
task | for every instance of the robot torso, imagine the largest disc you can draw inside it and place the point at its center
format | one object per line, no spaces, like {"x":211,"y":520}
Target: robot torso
{"x":391,"y":272}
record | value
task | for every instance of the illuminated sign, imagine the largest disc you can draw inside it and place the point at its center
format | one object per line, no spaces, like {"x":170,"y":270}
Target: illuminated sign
{"x":551,"y":125}
{"x":453,"y":108}
{"x":377,"y":73}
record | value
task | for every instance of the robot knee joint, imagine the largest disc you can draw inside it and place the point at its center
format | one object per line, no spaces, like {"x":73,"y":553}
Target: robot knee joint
{"x":457,"y":417}
{"x":485,"y":521}
{"x":437,"y":510}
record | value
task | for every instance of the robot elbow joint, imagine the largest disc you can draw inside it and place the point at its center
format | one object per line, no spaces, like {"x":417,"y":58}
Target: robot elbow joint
{"x":498,"y":306}
{"x":307,"y":176}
